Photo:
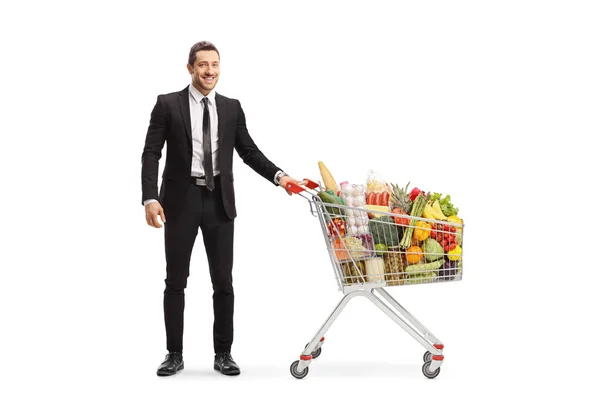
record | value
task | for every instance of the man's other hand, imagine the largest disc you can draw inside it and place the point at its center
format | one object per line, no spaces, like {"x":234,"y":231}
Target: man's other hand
{"x":153,"y":210}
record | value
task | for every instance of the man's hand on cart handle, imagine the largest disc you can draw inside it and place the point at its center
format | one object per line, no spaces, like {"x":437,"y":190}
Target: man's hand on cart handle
{"x":285,"y":180}
{"x":294,"y":186}
{"x":153,"y":210}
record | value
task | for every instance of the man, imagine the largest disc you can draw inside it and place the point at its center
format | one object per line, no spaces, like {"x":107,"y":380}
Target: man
{"x":201,"y":129}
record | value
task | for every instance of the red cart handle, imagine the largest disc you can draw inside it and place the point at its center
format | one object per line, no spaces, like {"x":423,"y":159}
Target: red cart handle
{"x":298,"y":188}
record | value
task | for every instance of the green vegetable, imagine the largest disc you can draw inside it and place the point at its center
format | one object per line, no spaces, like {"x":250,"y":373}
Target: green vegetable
{"x":428,"y":268}
{"x":432,"y":249}
{"x":384,"y":231}
{"x":332,"y":199}
{"x":421,"y":278}
{"x":459,"y":237}
{"x":447,"y":207}
{"x":416,"y":211}
{"x":354,"y":245}
{"x":380,"y":248}
{"x":340,"y":200}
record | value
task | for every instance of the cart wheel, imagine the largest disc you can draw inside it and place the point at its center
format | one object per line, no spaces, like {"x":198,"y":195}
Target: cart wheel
{"x":428,"y":374}
{"x":315,"y":353}
{"x":427,"y":356}
{"x":294,"y":370}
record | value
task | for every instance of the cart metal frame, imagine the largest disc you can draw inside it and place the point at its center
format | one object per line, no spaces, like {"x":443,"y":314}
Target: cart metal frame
{"x":374,"y":291}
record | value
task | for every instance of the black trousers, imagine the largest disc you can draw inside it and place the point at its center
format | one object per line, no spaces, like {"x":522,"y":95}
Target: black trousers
{"x":202,"y":209}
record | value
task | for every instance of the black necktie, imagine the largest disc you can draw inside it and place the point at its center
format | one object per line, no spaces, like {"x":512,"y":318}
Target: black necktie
{"x":207,"y":148}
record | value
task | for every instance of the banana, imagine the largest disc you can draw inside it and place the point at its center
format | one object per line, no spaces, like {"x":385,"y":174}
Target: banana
{"x":429,"y":212}
{"x":437,"y":211}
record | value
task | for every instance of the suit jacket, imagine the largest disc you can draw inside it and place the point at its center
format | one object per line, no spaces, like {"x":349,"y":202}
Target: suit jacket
{"x":170,"y":122}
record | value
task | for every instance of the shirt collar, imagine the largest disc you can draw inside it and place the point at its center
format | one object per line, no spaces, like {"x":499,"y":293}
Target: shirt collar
{"x":197,"y":96}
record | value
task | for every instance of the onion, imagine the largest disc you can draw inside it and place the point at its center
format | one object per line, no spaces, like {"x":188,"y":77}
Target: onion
{"x":362,"y":230}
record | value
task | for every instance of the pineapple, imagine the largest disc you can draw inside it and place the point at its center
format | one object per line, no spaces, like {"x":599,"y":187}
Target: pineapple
{"x":400,"y":198}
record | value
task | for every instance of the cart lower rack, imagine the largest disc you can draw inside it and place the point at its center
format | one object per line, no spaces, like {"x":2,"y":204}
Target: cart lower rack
{"x":371,"y":250}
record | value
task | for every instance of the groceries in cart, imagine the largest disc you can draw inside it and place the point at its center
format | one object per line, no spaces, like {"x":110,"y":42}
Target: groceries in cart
{"x":382,"y":232}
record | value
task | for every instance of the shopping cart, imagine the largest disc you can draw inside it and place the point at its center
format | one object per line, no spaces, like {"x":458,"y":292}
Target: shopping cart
{"x":383,"y":251}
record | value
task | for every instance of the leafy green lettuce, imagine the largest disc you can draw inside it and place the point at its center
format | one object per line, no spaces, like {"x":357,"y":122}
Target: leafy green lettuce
{"x":447,"y":207}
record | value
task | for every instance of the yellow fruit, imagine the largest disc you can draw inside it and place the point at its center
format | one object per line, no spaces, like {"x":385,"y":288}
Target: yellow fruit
{"x":455,"y":254}
{"x":456,"y":220}
{"x":422,"y":230}
{"x":437,"y":211}
{"x":428,"y":212}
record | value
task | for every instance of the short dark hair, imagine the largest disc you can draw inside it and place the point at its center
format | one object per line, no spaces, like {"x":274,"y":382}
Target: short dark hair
{"x":203,"y":45}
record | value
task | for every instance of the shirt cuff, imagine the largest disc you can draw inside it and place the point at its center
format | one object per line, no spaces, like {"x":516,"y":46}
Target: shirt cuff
{"x":149,"y":201}
{"x":278,"y":176}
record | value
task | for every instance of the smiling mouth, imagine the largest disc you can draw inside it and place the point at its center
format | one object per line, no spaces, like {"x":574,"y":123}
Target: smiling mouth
{"x":209,"y":79}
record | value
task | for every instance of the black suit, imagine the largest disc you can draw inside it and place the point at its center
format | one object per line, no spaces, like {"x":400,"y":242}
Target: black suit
{"x":188,"y":206}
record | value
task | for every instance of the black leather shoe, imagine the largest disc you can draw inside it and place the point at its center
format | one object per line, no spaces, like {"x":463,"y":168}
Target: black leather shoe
{"x":173,"y":363}
{"x":225,"y":364}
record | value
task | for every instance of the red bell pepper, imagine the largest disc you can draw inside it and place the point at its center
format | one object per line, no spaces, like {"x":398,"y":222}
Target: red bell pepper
{"x":340,"y":225}
{"x":414,"y":193}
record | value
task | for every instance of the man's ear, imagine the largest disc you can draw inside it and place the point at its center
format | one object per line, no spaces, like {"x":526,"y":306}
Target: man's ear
{"x":190,"y":69}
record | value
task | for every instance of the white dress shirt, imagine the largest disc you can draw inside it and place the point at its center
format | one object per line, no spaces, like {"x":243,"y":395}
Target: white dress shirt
{"x":196,"y":118}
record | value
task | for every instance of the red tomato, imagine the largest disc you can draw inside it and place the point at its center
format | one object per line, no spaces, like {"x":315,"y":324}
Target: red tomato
{"x":446,"y":248}
{"x":446,"y":236}
{"x":452,"y":229}
{"x":447,"y":228}
{"x":400,"y":220}
{"x":444,"y":243}
{"x":452,"y":246}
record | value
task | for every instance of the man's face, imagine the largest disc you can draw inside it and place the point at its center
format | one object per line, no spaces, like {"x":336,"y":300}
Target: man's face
{"x":205,"y":71}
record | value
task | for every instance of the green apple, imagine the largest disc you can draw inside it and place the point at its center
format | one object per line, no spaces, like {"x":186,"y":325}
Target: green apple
{"x":380,"y":248}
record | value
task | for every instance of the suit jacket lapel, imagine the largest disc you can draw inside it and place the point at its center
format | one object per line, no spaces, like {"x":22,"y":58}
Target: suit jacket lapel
{"x":184,"y":105}
{"x":222,"y":113}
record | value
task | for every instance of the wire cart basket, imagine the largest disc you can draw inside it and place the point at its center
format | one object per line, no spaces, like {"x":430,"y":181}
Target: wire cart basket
{"x":383,"y":252}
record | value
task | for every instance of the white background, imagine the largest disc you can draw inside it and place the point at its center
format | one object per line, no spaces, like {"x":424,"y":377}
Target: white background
{"x":495,"y":103}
